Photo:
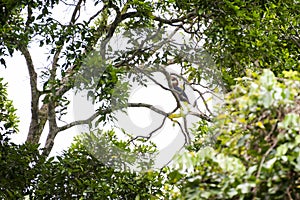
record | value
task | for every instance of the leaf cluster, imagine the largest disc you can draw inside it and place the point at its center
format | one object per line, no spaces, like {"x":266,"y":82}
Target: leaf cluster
{"x":258,"y":144}
{"x":253,"y":34}
{"x":92,"y":169}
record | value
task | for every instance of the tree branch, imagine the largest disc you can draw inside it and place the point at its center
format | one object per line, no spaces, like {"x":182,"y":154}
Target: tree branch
{"x":186,"y":137}
{"x":103,"y":112}
{"x":35,"y":95}
{"x":151,"y":107}
{"x":76,"y":10}
{"x":262,"y":162}
{"x":151,"y":133}
{"x":194,"y":89}
{"x":82,"y":122}
{"x":53,"y":129}
{"x":173,"y":21}
{"x":96,"y":14}
{"x":52,"y":102}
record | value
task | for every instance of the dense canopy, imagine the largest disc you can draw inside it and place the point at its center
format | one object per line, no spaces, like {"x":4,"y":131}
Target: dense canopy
{"x":234,"y":109}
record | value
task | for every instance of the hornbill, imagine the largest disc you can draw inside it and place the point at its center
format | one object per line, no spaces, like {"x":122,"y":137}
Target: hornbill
{"x":179,"y":92}
{"x":184,"y":109}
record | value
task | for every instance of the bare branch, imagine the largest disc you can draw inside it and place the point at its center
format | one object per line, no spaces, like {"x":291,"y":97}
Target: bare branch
{"x":76,"y":12}
{"x":201,"y":115}
{"x":186,"y":133}
{"x":82,"y":122}
{"x":103,"y":112}
{"x":173,"y":21}
{"x":151,"y":133}
{"x":68,"y":4}
{"x":183,"y":132}
{"x":96,"y":14}
{"x":151,"y":107}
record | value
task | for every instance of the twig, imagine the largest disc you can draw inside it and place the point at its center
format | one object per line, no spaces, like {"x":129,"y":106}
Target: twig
{"x":150,"y":134}
{"x":261,"y":164}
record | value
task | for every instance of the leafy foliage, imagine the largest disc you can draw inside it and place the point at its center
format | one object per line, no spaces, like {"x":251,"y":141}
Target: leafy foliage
{"x":256,"y":154}
{"x":253,"y":34}
{"x":258,"y":143}
{"x":8,"y":118}
{"x":81,"y":173}
{"x":19,"y":164}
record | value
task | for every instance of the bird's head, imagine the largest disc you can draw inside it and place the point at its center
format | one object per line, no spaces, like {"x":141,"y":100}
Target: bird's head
{"x":174,"y":81}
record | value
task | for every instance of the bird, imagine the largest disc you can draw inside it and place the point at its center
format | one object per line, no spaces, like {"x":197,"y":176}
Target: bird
{"x":179,"y":92}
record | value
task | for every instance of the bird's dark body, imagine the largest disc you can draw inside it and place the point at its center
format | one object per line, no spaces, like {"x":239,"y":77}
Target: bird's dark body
{"x":181,"y":94}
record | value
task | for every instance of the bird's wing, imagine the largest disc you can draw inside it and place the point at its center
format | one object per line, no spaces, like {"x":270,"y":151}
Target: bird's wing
{"x":181,"y":94}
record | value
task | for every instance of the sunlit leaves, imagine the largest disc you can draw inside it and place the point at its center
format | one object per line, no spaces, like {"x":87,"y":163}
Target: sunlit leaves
{"x":89,"y":170}
{"x":8,"y":118}
{"x":268,"y":104}
{"x":258,"y":144}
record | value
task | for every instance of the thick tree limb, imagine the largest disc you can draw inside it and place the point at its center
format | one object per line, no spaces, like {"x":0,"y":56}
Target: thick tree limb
{"x":53,"y":129}
{"x":35,"y":95}
{"x":47,"y":111}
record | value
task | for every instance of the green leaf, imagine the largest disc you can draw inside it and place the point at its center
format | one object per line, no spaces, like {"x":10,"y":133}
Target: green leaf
{"x":269,"y":164}
{"x":282,"y":150}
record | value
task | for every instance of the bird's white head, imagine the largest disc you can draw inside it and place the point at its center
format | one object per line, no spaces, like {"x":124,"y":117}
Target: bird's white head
{"x":174,"y":81}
